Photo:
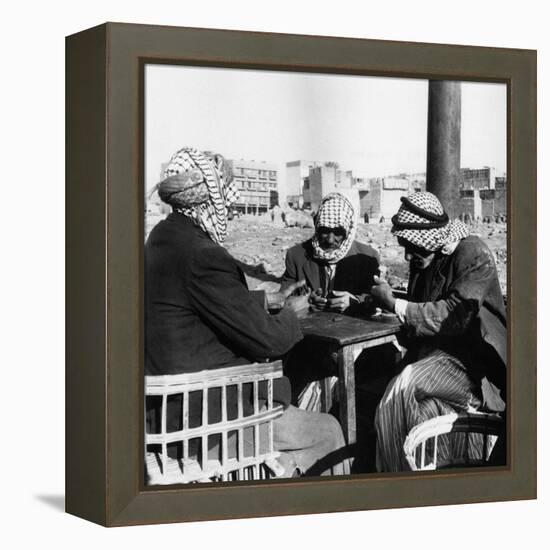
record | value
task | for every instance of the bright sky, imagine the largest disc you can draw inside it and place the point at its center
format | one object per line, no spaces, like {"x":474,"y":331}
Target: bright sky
{"x":372,"y":125}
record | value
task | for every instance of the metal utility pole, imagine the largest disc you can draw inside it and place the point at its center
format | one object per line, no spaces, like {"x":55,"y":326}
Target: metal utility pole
{"x":444,"y":121}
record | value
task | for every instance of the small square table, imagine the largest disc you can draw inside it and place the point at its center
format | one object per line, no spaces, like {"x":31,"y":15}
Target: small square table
{"x":348,"y":337}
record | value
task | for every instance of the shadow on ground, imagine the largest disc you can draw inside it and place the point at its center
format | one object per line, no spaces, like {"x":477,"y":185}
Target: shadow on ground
{"x":56,"y":502}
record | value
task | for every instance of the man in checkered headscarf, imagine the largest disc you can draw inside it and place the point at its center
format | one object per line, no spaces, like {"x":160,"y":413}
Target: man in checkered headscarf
{"x":337,"y":217}
{"x":339,"y":272}
{"x":199,"y":186}
{"x":454,"y":318}
{"x":422,"y":222}
{"x":200,"y":315}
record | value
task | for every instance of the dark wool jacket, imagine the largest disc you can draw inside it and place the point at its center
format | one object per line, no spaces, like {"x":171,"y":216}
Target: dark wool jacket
{"x":354,"y":273}
{"x":456,"y":304}
{"x":199,"y":313}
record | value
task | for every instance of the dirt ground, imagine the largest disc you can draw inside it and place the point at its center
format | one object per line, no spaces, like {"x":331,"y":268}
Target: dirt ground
{"x":260,"y":245}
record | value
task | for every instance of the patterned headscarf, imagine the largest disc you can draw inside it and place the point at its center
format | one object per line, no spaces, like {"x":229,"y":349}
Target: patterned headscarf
{"x":200,"y":186}
{"x":422,"y":221}
{"x":335,"y":211}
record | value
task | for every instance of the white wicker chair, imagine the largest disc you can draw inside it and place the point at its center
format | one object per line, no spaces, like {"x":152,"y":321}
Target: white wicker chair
{"x":421,"y":444}
{"x":162,"y":469}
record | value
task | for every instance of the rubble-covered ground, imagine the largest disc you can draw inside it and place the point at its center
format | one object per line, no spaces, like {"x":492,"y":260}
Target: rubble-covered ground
{"x":260,"y":245}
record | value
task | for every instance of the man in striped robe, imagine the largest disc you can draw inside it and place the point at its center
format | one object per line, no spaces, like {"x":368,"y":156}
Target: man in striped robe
{"x":454,"y":318}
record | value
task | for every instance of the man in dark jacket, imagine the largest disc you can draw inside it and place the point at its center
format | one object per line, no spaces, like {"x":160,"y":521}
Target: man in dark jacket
{"x":339,"y":272}
{"x":455,"y":321}
{"x":200,"y":315}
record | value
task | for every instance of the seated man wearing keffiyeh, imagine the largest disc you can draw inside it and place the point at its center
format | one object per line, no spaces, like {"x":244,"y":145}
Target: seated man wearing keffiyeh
{"x":339,"y":272}
{"x":199,"y":314}
{"x":455,"y":321}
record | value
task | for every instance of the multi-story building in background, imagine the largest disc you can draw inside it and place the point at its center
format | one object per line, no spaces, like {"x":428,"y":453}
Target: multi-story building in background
{"x":374,"y":198}
{"x":324,"y":179}
{"x":297,"y":172}
{"x":482,"y":193}
{"x":257,"y":182}
{"x":329,"y":177}
{"x":384,"y":196}
{"x":478,"y":178}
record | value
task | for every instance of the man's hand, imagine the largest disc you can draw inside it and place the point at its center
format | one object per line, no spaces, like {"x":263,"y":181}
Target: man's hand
{"x":382,"y":294}
{"x":339,"y":300}
{"x":317,"y":301}
{"x":298,"y":304}
{"x":277,"y":299}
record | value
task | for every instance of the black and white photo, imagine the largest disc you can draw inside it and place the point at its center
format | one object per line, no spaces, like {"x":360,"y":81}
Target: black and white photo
{"x":325,"y":274}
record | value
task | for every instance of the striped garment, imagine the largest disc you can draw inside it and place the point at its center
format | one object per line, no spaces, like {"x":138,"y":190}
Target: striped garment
{"x":436,"y":385}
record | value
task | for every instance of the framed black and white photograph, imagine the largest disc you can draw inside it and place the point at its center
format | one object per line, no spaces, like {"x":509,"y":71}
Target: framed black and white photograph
{"x":313,"y":174}
{"x":319,"y":274}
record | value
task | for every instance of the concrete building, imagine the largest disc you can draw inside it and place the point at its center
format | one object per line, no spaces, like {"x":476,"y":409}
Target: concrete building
{"x":384,"y":194}
{"x":297,"y":172}
{"x":493,"y":202}
{"x":329,"y":178}
{"x":470,"y":203}
{"x":323,"y":180}
{"x":483,"y":193}
{"x":383,"y":200}
{"x":375,"y":197}
{"x":478,"y":178}
{"x":257,"y":182}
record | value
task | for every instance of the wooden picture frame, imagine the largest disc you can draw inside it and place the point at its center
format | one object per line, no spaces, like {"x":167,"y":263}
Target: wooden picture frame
{"x":104,"y":185}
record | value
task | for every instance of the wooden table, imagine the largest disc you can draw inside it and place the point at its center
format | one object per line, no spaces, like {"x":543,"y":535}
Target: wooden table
{"x":348,"y":337}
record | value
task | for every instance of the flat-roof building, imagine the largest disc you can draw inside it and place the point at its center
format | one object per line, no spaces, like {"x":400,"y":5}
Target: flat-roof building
{"x":257,"y":182}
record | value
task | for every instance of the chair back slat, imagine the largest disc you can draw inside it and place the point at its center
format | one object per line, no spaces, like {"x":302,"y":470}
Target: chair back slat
{"x":204,"y":406}
{"x":423,"y":454}
{"x":240,"y":444}
{"x":224,"y":403}
{"x":197,"y":462}
{"x":240,"y":413}
{"x":255,"y":396}
{"x":164,"y":408}
{"x":256,"y":440}
{"x":224,"y":448}
{"x":185,"y":410}
{"x":204,"y":451}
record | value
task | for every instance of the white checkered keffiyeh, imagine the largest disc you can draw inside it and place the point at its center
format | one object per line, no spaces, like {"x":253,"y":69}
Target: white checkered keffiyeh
{"x":335,"y":211}
{"x":211,"y":214}
{"x":422,"y":221}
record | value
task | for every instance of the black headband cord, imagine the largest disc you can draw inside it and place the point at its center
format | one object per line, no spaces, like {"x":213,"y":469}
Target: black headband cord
{"x":434,"y":221}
